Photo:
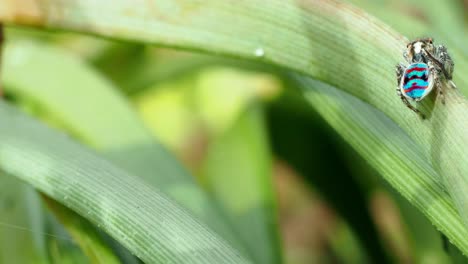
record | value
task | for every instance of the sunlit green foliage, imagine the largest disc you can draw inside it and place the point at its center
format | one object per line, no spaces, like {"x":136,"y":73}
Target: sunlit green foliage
{"x":254,"y":132}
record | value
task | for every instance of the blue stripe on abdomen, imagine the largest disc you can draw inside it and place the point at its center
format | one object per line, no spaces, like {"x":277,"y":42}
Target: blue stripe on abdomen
{"x":419,"y":74}
{"x":415,"y":82}
{"x":418,"y":65}
{"x":416,"y":93}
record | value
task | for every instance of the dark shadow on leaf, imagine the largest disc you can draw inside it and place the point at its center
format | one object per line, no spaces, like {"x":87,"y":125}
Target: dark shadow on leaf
{"x":302,"y":139}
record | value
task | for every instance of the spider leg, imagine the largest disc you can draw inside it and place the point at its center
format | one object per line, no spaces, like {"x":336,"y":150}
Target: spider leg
{"x":406,"y":56}
{"x":444,"y":62}
{"x":452,"y":84}
{"x":400,"y":69}
{"x":435,"y":61}
{"x":408,"y":104}
{"x":436,"y":73}
{"x":443,"y":56}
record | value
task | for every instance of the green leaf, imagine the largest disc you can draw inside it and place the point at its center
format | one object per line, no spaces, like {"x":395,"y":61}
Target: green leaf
{"x":300,"y":138}
{"x":391,"y":152}
{"x":221,"y":106}
{"x":426,"y":241}
{"x":69,"y":94}
{"x":238,"y":173}
{"x":136,"y":214}
{"x":83,"y":232}
{"x":21,"y":224}
{"x":30,"y":234}
{"x":445,"y":19}
{"x":332,"y":42}
{"x":412,"y":27}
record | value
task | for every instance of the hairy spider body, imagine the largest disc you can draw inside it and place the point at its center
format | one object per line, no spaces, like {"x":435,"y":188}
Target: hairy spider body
{"x":426,"y":66}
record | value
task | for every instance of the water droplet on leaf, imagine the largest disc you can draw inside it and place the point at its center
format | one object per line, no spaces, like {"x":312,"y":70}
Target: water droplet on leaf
{"x":259,"y":52}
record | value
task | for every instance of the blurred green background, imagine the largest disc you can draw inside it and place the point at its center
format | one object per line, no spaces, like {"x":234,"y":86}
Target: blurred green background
{"x":276,"y":170}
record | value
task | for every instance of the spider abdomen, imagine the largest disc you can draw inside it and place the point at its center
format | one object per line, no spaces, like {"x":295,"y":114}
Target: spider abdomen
{"x":416,"y":81}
